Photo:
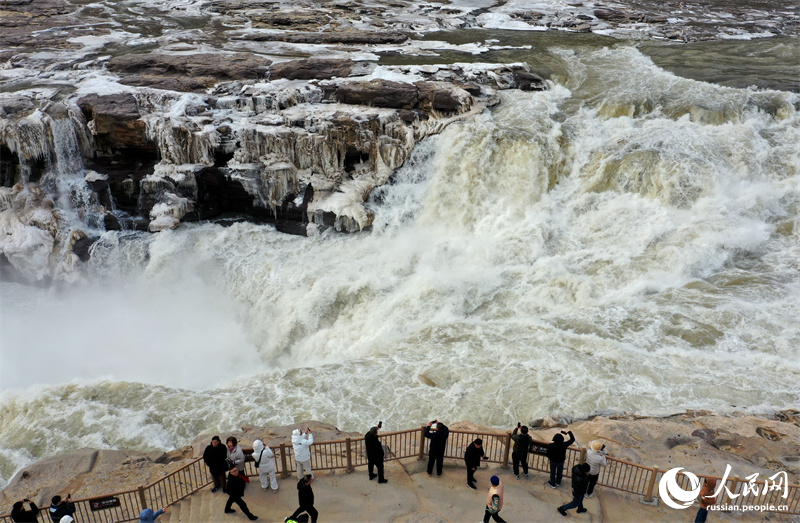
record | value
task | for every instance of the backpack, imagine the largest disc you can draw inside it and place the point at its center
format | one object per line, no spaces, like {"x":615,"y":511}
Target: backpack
{"x":495,"y":506}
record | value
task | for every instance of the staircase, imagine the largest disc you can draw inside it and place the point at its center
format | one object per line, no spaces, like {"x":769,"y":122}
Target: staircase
{"x":208,"y":507}
{"x":201,"y":507}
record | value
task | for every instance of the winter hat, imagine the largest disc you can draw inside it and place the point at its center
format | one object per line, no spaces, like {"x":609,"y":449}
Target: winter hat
{"x":596,"y":445}
{"x":495,"y":481}
{"x":296,"y":432}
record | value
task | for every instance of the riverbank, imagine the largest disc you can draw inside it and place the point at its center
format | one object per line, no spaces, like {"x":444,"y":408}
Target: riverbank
{"x":702,"y":442}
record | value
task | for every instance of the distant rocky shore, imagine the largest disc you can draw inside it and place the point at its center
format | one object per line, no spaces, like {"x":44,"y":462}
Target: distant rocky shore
{"x":701,"y":441}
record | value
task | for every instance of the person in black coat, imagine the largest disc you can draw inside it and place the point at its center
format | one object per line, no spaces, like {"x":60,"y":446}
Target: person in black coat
{"x":472,"y":458}
{"x":557,"y":454}
{"x":437,"y":432}
{"x":580,"y":482}
{"x":61,"y":507}
{"x":236,"y":483}
{"x":215,"y":458}
{"x":522,"y":442}
{"x":375,"y":453}
{"x":305,"y":496}
{"x":20,"y":515}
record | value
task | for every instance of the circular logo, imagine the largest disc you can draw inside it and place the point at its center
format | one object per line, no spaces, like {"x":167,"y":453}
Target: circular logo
{"x":673,"y":494}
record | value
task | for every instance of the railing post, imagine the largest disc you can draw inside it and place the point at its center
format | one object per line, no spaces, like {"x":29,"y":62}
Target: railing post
{"x":350,"y":467}
{"x":733,"y":487}
{"x":421,"y":444}
{"x":507,"y":450}
{"x":583,"y":456}
{"x":648,"y":497}
{"x":142,"y":500}
{"x":284,"y":468}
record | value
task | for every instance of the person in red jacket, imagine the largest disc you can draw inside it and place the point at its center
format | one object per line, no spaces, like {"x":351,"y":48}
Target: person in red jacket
{"x":236,"y":484}
{"x":706,"y":499}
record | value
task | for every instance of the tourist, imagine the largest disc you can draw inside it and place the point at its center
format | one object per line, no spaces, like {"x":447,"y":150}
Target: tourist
{"x":60,"y":508}
{"x":305,"y":496}
{"x":374,"y":453}
{"x":20,"y":515}
{"x":580,"y":480}
{"x":557,"y":454}
{"x":522,"y":443}
{"x":235,"y":454}
{"x":494,"y":501}
{"x":265,"y":463}
{"x":148,"y":516}
{"x":596,"y":458}
{"x":302,"y":453}
{"x":216,"y":459}
{"x":437,"y":432}
{"x":707,"y":499}
{"x":472,"y":459}
{"x":236,"y":483}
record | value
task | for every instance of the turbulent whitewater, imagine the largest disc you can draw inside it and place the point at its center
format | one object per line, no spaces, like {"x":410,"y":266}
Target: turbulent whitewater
{"x":625,"y":241}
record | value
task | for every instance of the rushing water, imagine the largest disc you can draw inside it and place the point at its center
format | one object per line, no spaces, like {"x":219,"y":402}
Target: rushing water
{"x":627,"y":241}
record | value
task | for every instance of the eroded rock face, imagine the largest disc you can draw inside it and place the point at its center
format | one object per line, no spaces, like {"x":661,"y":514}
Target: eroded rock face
{"x":378,"y":93}
{"x":311,"y":69}
{"x":239,"y":66}
{"x":115,"y":121}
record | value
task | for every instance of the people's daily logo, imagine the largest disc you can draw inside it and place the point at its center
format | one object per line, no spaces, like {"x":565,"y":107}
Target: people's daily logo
{"x":755,"y":495}
{"x":672,"y":494}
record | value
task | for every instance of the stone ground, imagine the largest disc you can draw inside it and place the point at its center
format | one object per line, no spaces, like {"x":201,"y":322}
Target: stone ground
{"x":412,"y":496}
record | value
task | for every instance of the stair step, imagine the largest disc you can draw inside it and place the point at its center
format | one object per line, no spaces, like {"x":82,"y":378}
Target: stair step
{"x":190,"y":510}
{"x":173,"y":514}
{"x":207,"y":505}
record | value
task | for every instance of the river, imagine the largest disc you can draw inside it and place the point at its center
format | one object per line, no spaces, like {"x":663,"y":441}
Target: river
{"x":625,"y":241}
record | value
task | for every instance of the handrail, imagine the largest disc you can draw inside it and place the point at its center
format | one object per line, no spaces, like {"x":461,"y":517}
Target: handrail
{"x":349,"y":453}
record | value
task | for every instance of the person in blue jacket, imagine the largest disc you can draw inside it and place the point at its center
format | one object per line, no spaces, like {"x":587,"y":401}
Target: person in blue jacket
{"x":148,"y":516}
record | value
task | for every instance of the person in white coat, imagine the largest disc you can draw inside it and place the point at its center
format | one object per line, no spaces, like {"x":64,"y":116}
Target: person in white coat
{"x":265,"y":463}
{"x":596,"y":458}
{"x":302,"y":454}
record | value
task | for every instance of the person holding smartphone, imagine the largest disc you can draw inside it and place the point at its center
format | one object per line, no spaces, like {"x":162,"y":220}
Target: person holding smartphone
{"x":374,"y":453}
{"x":20,"y":515}
{"x":60,"y":508}
{"x":302,"y":453}
{"x":557,"y":454}
{"x":437,"y":432}
{"x":596,"y":458}
{"x":522,"y":442}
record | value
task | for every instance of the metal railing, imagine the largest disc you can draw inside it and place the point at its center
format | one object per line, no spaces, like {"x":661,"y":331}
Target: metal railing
{"x":349,"y":453}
